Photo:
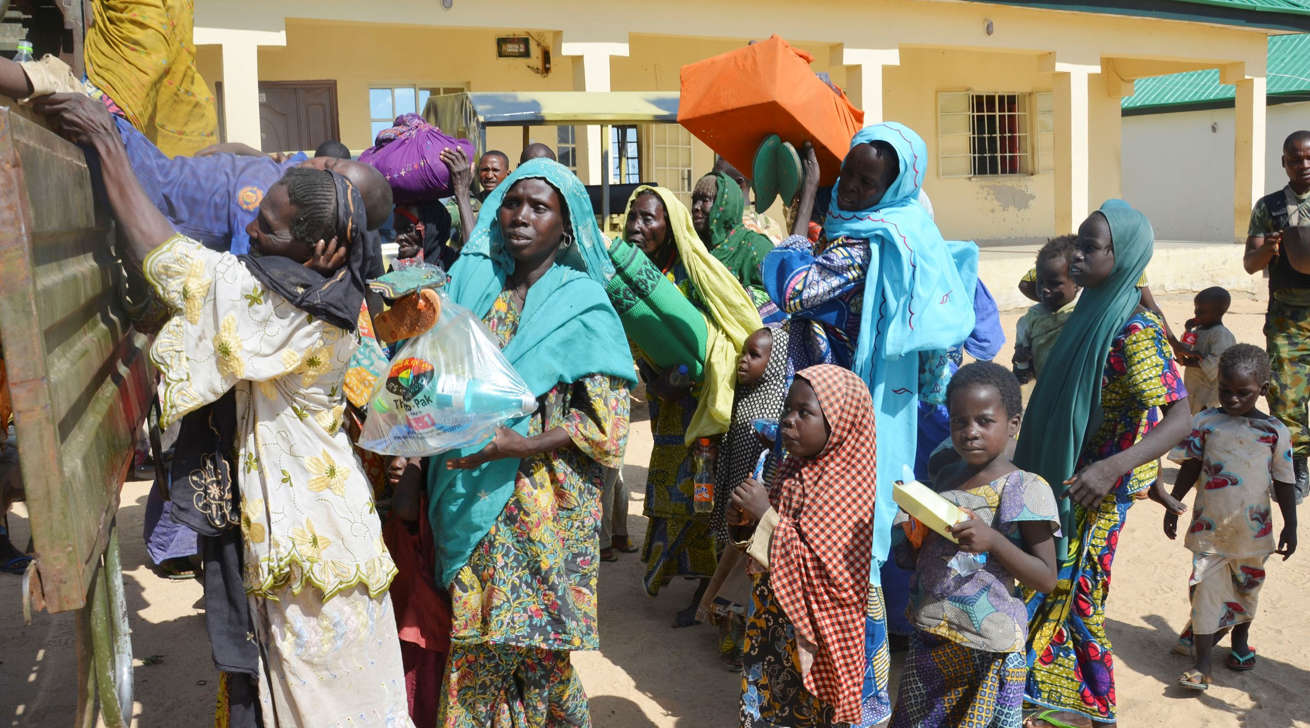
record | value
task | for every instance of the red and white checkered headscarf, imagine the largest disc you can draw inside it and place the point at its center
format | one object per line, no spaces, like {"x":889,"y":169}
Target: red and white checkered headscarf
{"x":819,"y":556}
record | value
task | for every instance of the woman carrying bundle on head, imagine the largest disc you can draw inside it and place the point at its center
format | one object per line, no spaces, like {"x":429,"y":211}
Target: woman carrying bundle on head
{"x":882,"y":293}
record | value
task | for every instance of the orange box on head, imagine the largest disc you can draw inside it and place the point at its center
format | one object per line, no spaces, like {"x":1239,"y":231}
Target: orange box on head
{"x":734,"y":100}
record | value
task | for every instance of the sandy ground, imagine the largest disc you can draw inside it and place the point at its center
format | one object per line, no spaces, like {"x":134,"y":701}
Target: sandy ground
{"x":647,"y":674}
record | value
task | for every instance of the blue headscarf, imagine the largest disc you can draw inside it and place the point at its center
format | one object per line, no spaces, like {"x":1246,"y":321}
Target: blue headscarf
{"x":568,"y":330}
{"x":918,"y":298}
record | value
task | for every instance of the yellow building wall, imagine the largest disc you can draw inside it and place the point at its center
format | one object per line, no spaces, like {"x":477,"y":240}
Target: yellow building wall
{"x":1009,"y":207}
{"x":1105,"y":176}
{"x":362,"y":54}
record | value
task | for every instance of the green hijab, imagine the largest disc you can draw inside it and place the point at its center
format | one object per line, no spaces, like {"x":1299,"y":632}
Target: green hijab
{"x":1066,"y":407}
{"x":739,"y":249}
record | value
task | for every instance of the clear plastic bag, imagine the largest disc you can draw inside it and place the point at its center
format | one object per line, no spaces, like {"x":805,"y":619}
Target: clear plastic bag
{"x":447,"y":388}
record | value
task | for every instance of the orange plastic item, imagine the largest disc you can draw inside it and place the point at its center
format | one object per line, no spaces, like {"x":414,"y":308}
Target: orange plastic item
{"x":734,"y":100}
{"x":408,"y":317}
{"x":915,"y":531}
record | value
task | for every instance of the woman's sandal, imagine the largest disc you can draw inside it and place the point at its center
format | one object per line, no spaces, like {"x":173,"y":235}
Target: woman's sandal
{"x":1240,"y":663}
{"x":608,"y":555}
{"x":1182,"y":647}
{"x":1194,"y":680}
{"x":1048,"y":719}
{"x":623,"y":545}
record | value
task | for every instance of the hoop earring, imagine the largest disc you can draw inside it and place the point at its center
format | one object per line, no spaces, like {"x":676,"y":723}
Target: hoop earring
{"x":566,"y":241}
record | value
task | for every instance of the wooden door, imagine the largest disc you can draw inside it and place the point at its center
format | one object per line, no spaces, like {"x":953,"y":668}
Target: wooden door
{"x":297,"y":115}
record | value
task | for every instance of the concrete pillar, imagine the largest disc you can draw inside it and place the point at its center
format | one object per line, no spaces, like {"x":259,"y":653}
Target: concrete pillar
{"x":1072,"y":166}
{"x":1248,"y":152}
{"x":241,"y":77}
{"x":864,"y":78}
{"x":593,"y":74}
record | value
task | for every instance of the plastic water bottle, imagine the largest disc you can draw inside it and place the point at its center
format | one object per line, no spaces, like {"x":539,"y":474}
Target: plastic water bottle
{"x":702,"y":500}
{"x":680,"y":378}
{"x":767,"y":428}
{"x":736,"y":517}
{"x":471,"y":396}
{"x":24,"y":51}
{"x":450,"y":403}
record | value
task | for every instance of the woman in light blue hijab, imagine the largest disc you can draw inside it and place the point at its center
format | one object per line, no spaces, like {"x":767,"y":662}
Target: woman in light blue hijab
{"x":515,"y":523}
{"x":884,"y":294}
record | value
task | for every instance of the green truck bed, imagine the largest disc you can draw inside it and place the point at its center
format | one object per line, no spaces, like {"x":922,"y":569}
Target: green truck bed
{"x":78,"y":372}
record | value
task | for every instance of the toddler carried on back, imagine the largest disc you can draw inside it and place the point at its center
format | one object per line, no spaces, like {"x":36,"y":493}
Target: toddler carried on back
{"x":1056,"y":294}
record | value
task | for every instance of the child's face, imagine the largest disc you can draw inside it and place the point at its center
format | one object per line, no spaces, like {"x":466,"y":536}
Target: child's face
{"x":1239,"y":390}
{"x":803,"y":427}
{"x":754,"y":357}
{"x":1208,"y":313}
{"x":1055,"y":288}
{"x":1093,"y":256}
{"x":862,"y":175}
{"x":980,"y":426}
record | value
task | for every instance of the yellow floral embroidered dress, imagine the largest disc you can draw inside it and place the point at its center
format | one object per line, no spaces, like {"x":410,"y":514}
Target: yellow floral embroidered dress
{"x":316,"y":569}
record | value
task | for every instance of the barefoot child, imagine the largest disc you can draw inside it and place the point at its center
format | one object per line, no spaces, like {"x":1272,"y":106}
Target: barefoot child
{"x":1239,"y":452}
{"x":1057,"y":294}
{"x":803,"y":661}
{"x":1205,"y":341}
{"x":966,"y":664}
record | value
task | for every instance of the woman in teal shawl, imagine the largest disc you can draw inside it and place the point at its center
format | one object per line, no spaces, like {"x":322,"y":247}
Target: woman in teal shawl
{"x":716,"y":209}
{"x":515,"y":523}
{"x":884,"y":294}
{"x":1095,"y":433}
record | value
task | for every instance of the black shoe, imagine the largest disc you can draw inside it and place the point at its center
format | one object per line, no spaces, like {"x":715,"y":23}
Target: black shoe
{"x":1302,"y":476}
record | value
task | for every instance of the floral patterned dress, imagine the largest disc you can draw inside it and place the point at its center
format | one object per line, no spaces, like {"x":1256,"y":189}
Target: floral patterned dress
{"x":528,"y":593}
{"x":1071,"y":662}
{"x":316,"y":569}
{"x":824,"y":293}
{"x":966,"y":663}
{"x":678,"y":540}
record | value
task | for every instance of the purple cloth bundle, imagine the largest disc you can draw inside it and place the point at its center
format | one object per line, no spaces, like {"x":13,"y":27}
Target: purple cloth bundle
{"x":409,"y":156}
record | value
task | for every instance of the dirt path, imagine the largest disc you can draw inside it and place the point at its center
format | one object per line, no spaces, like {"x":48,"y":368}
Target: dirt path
{"x":647,"y":674}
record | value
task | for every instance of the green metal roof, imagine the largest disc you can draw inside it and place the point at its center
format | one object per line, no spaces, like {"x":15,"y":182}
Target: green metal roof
{"x":1292,"y":15}
{"x":1288,"y":75}
{"x":1262,"y":6}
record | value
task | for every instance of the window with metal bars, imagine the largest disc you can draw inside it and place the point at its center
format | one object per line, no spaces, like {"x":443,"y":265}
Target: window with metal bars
{"x":387,"y":102}
{"x":671,"y":147}
{"x":566,"y":147}
{"x":625,"y":155}
{"x":984,"y":133}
